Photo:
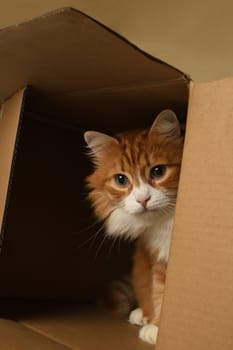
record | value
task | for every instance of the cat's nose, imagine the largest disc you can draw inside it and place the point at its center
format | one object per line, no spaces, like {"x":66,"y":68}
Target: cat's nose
{"x":143,"y":201}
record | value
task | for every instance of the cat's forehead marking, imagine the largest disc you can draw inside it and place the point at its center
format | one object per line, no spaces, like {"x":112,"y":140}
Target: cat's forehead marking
{"x":134,"y":154}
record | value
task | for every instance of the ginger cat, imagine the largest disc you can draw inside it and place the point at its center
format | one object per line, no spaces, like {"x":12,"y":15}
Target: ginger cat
{"x":133,"y":191}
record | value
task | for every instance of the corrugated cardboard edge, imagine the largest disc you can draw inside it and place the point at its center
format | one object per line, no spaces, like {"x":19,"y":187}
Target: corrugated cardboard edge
{"x":12,"y":110}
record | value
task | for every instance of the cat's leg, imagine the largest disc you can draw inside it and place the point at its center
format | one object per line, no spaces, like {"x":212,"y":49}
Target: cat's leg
{"x":142,"y":282}
{"x":119,"y":296}
{"x":149,"y":332}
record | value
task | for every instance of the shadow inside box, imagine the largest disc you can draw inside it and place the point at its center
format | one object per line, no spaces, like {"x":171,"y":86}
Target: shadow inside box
{"x":23,"y":309}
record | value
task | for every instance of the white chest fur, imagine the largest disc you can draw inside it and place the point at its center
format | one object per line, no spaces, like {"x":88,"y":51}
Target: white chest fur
{"x":154,"y":228}
{"x":158,"y":237}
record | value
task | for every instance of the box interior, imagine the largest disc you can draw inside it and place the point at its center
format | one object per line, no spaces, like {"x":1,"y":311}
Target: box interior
{"x":48,"y":221}
{"x":49,"y":228}
{"x":51,"y":249}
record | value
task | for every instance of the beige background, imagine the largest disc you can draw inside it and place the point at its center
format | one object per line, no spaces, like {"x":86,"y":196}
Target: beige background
{"x":194,"y":36}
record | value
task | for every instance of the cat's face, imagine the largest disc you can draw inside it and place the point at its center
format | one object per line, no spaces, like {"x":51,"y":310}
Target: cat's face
{"x":136,"y":174}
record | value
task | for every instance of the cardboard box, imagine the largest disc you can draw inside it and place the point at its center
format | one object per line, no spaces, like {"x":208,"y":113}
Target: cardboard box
{"x":63,"y":73}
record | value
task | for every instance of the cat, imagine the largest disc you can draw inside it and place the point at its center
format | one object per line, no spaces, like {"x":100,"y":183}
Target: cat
{"x":133,"y":190}
{"x":118,"y":296}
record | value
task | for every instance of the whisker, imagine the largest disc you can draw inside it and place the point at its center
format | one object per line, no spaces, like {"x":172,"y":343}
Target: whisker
{"x":99,"y":248}
{"x":91,"y":239}
{"x":167,"y":209}
{"x":96,"y":222}
{"x":88,"y":240}
{"x":119,"y":245}
{"x":111,"y":247}
{"x":96,"y":235}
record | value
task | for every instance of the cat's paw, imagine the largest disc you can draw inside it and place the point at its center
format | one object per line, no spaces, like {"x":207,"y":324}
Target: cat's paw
{"x":136,"y":317}
{"x":149,"y":333}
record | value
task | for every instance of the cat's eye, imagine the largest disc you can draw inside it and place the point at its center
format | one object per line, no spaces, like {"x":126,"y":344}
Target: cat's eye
{"x":158,"y":171}
{"x":121,"y":180}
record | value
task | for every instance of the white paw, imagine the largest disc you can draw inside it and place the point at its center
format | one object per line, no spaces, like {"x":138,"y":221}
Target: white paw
{"x":136,"y":317}
{"x":148,"y":333}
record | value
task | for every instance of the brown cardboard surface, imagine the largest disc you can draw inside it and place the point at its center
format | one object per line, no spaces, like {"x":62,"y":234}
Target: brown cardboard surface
{"x":15,"y":336}
{"x":9,"y":121}
{"x":194,"y":37}
{"x":197,"y":312}
{"x":92,"y":57}
{"x":113,"y":109}
{"x":77,"y":327}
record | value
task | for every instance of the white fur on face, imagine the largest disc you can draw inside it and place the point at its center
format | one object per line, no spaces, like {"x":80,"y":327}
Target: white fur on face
{"x":154,"y":224}
{"x":158,"y":199}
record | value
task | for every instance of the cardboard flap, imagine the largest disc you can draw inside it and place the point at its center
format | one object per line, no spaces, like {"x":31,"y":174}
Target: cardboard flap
{"x":199,"y":292}
{"x":66,"y":51}
{"x":9,"y":121}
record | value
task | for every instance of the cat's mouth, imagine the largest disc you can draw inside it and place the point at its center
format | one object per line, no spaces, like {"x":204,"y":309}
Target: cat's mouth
{"x":143,"y":211}
{"x":150,"y":210}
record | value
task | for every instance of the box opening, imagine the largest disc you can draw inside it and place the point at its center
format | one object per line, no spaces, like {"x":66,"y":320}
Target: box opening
{"x":49,"y":222}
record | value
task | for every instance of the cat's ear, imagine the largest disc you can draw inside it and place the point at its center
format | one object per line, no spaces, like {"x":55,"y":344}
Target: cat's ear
{"x":97,"y":142}
{"x":166,"y":124}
